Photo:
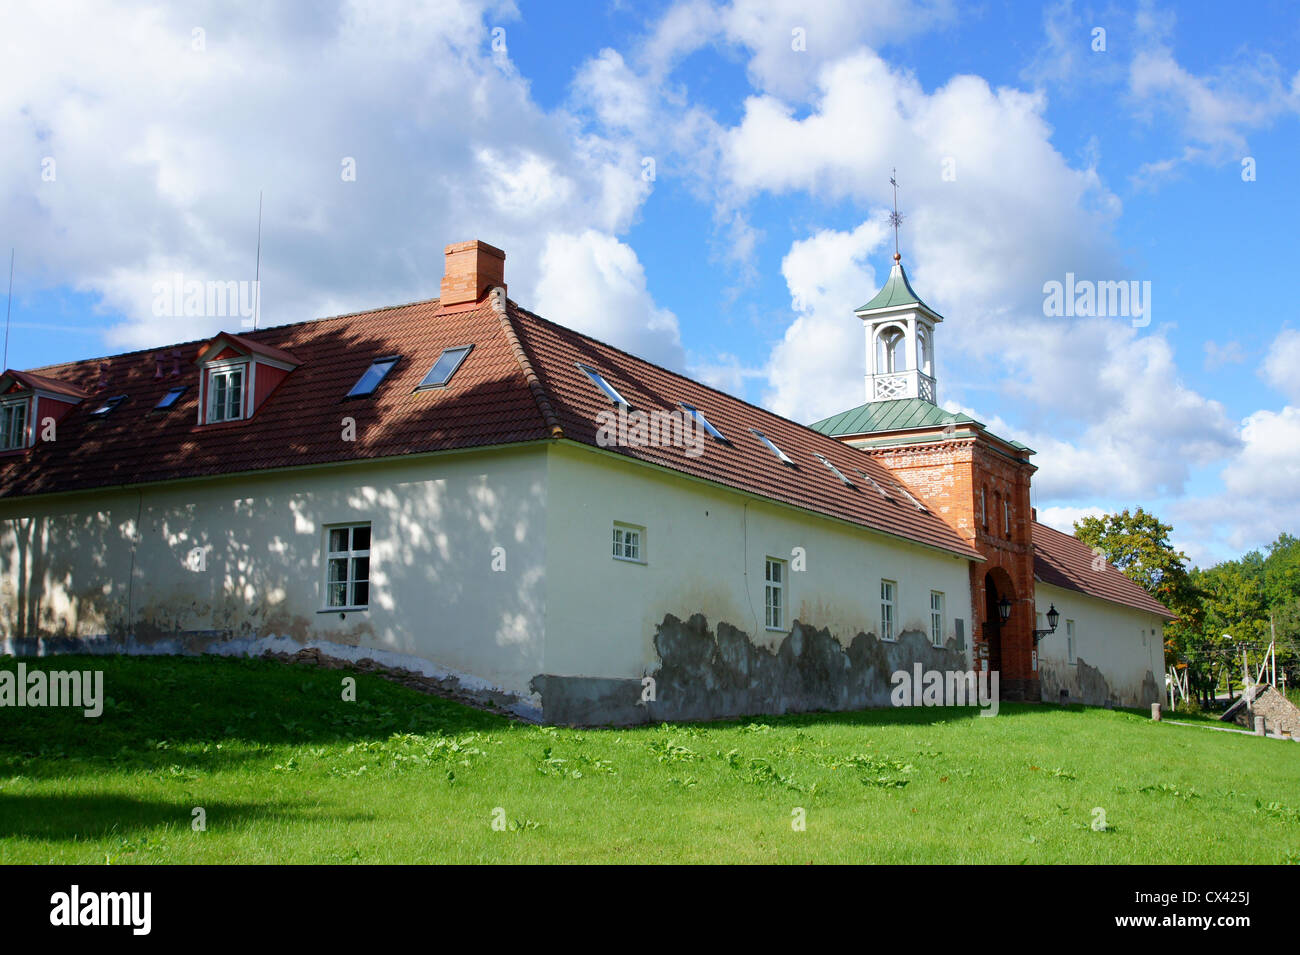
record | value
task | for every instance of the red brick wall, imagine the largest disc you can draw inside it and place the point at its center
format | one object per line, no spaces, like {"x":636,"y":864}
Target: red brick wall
{"x":947,"y":474}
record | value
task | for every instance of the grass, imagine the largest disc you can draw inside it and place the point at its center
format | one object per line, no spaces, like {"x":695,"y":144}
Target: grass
{"x":285,"y":771}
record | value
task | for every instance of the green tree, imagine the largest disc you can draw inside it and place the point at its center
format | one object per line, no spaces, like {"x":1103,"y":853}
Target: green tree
{"x":1138,"y":544}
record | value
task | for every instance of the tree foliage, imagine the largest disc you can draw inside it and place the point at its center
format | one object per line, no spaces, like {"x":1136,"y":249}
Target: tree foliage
{"x":1221,"y":610}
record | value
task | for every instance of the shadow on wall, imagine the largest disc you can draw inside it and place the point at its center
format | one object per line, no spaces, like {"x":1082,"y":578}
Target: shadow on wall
{"x":1082,"y":683}
{"x":704,"y":676}
{"x":187,"y":568}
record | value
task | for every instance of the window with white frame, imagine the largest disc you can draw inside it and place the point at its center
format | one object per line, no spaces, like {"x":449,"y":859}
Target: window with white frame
{"x":347,"y":566}
{"x":888,"y":603}
{"x":225,"y":394}
{"x":13,"y":425}
{"x":1006,"y":516}
{"x":629,"y":543}
{"x":774,"y":594}
{"x":984,"y":514}
{"x":1069,"y":642}
{"x":936,"y":618}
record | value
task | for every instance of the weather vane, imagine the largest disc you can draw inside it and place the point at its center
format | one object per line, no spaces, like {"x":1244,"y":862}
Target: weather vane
{"x":894,"y":218}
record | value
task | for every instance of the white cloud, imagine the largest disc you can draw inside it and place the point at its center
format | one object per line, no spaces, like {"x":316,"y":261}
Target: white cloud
{"x":1063,"y":518}
{"x":1220,"y":355}
{"x":161,"y":149}
{"x":597,"y":284}
{"x":1282,"y":366}
{"x":1213,"y":111}
{"x":817,"y":368}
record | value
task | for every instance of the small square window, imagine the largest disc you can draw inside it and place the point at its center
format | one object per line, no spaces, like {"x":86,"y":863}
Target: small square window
{"x":446,"y":366}
{"x":347,"y":567}
{"x":629,"y":543}
{"x":774,"y":593}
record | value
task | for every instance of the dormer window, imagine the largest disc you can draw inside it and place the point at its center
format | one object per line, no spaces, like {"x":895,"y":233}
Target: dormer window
{"x":237,"y":376}
{"x":225,"y":395}
{"x":13,"y":425}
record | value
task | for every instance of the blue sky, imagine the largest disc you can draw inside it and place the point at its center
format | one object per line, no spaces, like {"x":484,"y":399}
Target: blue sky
{"x":134,"y":140}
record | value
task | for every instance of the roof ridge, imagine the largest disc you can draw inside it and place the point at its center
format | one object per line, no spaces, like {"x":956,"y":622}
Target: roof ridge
{"x":500,"y":305}
{"x":676,"y":374}
{"x":244,"y":334}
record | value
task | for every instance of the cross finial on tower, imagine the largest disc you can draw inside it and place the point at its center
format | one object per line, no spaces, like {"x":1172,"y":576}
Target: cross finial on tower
{"x":894,"y":218}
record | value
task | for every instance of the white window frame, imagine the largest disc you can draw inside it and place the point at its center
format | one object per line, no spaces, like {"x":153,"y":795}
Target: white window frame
{"x":1006,"y":516}
{"x":619,"y":542}
{"x":1071,"y":648}
{"x":211,"y":373}
{"x":984,"y":512}
{"x":888,"y":610}
{"x":774,"y":594}
{"x":937,"y":618}
{"x":350,"y":555}
{"x":7,"y":439}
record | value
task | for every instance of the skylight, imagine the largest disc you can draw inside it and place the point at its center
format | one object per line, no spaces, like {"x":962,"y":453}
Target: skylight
{"x":375,"y":374}
{"x":872,"y":481}
{"x":169,"y":399}
{"x":915,"y":503}
{"x":604,"y":385}
{"x":444,"y":367}
{"x":834,"y":470}
{"x":772,"y":447}
{"x":108,"y":405}
{"x":698,"y":415}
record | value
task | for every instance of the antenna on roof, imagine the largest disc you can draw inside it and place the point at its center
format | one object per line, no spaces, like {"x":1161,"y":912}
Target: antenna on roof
{"x":257,"y":275}
{"x":5,"y":364}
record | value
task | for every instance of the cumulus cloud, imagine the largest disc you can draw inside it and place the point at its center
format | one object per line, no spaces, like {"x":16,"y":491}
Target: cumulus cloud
{"x":1282,"y":365}
{"x":597,"y":284}
{"x":162,"y":125}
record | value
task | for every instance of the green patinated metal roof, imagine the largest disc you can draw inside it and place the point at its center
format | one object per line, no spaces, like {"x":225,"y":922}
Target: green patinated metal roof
{"x":897,"y":291}
{"x":896,"y":415}
{"x":901,"y":414}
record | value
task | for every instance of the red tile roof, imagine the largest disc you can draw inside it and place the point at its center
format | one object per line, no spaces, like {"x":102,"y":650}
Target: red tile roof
{"x":1065,"y":561}
{"x":32,"y":381}
{"x":520,"y":383}
{"x":255,"y":347}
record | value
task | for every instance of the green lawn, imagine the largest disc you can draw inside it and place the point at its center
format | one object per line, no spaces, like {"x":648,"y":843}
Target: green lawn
{"x":285,"y":771}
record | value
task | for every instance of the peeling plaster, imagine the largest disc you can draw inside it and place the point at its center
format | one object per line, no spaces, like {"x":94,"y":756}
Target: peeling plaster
{"x":706,"y":675}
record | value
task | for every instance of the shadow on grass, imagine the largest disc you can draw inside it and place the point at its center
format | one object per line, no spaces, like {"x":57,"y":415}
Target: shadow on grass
{"x":213,"y":713}
{"x":73,"y":817}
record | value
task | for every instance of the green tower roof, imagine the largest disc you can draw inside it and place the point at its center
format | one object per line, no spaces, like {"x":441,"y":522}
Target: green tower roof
{"x":896,"y":291}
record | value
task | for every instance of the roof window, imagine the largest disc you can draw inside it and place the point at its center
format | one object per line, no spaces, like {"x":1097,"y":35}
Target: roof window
{"x":772,"y":447}
{"x":169,"y":399}
{"x":698,"y":415}
{"x":446,"y":365}
{"x":108,"y":405}
{"x":833,"y":469}
{"x":604,"y":385}
{"x":375,"y":374}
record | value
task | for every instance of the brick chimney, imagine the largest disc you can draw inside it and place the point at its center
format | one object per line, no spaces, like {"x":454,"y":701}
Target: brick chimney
{"x":472,"y":268}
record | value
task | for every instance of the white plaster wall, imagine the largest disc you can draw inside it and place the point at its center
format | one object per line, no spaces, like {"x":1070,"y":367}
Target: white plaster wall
{"x":705,"y":552}
{"x":1110,"y":637}
{"x":67,"y":566}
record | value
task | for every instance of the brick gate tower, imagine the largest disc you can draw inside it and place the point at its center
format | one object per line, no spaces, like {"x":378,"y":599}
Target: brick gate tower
{"x":974,"y":480}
